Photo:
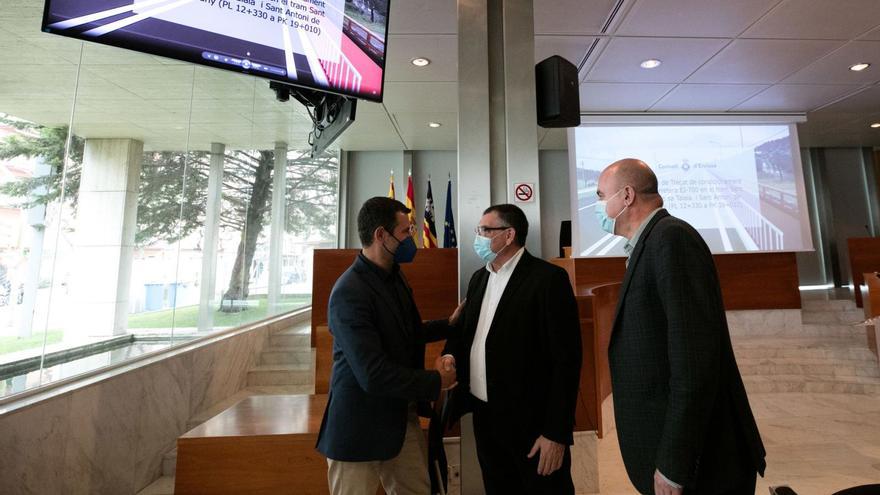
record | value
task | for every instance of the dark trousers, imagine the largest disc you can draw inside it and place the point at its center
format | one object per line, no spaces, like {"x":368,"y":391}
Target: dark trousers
{"x":746,"y":487}
{"x":503,"y":459}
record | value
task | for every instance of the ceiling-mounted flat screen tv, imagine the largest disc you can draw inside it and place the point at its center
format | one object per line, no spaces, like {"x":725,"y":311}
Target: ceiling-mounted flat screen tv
{"x":328,"y":45}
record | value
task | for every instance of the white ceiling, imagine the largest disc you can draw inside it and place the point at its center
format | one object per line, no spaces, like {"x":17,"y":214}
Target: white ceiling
{"x":719,"y":56}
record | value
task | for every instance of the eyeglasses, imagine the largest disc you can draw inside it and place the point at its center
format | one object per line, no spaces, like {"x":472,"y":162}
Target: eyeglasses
{"x":480,"y":230}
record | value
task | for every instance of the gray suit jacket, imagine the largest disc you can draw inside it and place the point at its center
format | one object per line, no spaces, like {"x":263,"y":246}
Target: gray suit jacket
{"x":679,"y":400}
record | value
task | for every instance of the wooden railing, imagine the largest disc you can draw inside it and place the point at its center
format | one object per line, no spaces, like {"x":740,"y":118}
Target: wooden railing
{"x":864,"y":257}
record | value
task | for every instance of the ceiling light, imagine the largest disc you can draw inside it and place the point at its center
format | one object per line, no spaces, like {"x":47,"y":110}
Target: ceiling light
{"x":651,"y":63}
{"x":420,"y":62}
{"x":859,"y":67}
{"x":875,"y":125}
{"x":434,"y":124}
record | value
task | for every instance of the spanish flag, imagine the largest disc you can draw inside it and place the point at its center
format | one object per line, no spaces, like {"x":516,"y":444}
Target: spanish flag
{"x":410,"y":203}
{"x":429,"y":230}
{"x":391,"y":187}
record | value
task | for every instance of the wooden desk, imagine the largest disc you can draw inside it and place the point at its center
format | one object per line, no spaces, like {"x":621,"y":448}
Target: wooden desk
{"x":433,"y":276}
{"x":324,"y":357}
{"x":748,"y":281}
{"x":262,"y":445}
{"x":864,"y":257}
{"x":596,"y":305}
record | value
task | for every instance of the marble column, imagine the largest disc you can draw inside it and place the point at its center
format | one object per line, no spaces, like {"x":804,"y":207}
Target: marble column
{"x":106,"y":222}
{"x":497,"y":128}
{"x":211,"y":241}
{"x":497,"y":139}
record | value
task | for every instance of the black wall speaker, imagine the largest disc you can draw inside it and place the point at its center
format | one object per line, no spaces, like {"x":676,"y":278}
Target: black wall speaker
{"x":556,"y":89}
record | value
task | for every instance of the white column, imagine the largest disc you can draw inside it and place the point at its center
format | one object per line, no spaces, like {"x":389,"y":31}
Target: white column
{"x":211,"y":239}
{"x":520,"y":120}
{"x":473,"y":131}
{"x":36,"y":218}
{"x":279,"y":219}
{"x":106,"y":222}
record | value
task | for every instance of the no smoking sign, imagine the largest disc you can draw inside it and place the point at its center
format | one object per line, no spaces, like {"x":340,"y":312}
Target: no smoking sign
{"x":524,"y":192}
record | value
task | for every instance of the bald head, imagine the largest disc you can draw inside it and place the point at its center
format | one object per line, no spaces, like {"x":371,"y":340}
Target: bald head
{"x":629,"y":188}
{"x":634,"y":173}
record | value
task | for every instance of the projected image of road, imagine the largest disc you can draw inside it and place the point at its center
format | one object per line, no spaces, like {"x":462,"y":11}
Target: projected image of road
{"x":336,"y":45}
{"x":741,"y":187}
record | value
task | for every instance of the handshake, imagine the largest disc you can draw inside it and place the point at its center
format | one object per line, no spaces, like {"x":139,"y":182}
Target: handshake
{"x":445,"y":365}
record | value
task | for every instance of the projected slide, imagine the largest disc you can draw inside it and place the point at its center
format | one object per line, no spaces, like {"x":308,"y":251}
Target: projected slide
{"x":334,"y":45}
{"x":740,"y":186}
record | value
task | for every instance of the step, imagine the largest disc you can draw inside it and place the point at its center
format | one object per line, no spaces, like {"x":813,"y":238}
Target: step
{"x":162,"y":486}
{"x":847,"y":317}
{"x":281,"y":374}
{"x":835,"y":353}
{"x":811,"y":384}
{"x":169,"y":463}
{"x":806,"y":330}
{"x":285,"y":355}
{"x":201,"y":417}
{"x":169,"y":460}
{"x":820,"y":367}
{"x":299,"y":337}
{"x":828,"y":305}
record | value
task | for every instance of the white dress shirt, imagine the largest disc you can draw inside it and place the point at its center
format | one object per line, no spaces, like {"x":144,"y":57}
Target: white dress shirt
{"x":494,"y":289}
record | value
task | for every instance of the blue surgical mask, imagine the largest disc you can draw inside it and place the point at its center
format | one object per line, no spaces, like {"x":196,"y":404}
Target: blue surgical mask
{"x":483,"y":248}
{"x":406,"y":250}
{"x":605,"y":222}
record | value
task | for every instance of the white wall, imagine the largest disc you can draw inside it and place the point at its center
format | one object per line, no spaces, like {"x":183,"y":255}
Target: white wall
{"x":439,"y":165}
{"x":555,"y":198}
{"x":368,"y":177}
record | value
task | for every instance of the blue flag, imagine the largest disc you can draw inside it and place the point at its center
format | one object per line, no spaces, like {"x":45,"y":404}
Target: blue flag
{"x":449,"y":240}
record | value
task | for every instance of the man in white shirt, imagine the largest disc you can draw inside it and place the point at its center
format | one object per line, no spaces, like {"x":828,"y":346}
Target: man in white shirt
{"x":518,"y":353}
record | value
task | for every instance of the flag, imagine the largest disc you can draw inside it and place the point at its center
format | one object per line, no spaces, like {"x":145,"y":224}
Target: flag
{"x":410,"y":203}
{"x":449,"y":240}
{"x":391,"y":187}
{"x":429,"y":230}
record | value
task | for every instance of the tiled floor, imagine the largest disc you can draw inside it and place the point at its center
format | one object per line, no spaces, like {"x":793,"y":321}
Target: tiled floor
{"x":816,"y":443}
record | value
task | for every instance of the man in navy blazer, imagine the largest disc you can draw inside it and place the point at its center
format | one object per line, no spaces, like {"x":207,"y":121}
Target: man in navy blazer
{"x":370,"y":433}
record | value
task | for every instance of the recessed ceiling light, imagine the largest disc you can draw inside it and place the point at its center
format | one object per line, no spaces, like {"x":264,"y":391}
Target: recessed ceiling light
{"x":434,"y":124}
{"x":875,"y":125}
{"x":859,"y":67}
{"x":420,"y":62}
{"x":651,"y":63}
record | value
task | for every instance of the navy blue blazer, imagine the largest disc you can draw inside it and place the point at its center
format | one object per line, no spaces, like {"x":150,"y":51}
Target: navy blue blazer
{"x":378,"y":367}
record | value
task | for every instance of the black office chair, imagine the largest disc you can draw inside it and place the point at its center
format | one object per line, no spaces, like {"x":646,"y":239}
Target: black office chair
{"x":782,"y":490}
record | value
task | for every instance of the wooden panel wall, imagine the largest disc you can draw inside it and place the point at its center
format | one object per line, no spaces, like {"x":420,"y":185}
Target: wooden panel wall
{"x":864,"y":257}
{"x":748,"y":281}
